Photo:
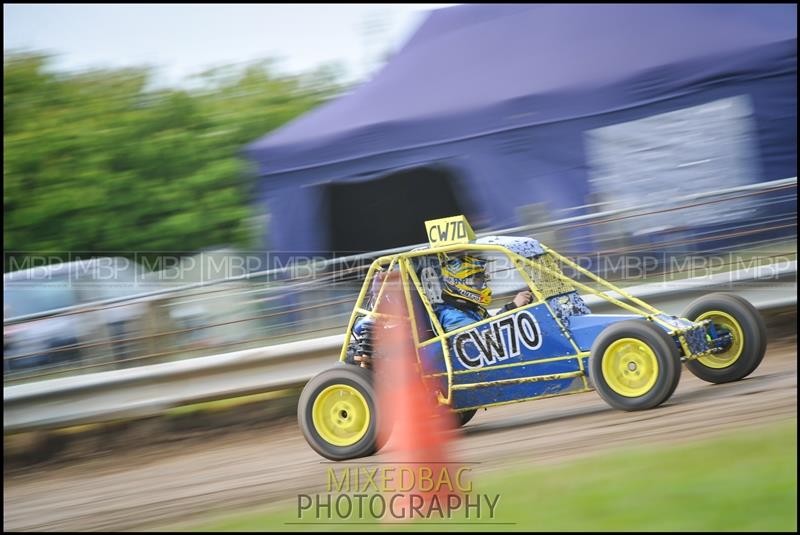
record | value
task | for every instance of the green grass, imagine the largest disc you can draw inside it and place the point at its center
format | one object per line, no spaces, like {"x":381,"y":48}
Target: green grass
{"x":229,"y":403}
{"x":741,"y":481}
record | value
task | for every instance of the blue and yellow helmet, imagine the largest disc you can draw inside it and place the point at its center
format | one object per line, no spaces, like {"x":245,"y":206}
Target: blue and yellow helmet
{"x":465,"y":278}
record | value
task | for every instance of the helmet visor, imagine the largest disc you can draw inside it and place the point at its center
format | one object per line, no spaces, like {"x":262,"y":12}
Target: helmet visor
{"x":478,"y":280}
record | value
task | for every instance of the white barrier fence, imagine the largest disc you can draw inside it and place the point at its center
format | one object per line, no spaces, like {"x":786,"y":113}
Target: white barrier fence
{"x":150,"y":390}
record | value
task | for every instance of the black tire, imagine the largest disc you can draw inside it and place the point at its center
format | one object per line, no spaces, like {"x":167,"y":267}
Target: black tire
{"x":350,"y":376}
{"x":665,"y":378}
{"x":463,"y":417}
{"x":754,"y":342}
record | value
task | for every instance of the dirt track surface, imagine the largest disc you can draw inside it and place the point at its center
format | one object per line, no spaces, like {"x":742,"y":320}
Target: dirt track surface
{"x":148,"y":488}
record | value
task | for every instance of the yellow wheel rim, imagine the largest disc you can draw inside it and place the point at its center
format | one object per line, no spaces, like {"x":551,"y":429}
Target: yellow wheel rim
{"x":723,"y":320}
{"x":630,"y":367}
{"x":340,"y":415}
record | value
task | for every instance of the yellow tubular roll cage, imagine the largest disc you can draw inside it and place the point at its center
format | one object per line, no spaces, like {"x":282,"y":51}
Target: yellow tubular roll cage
{"x":409,"y":277}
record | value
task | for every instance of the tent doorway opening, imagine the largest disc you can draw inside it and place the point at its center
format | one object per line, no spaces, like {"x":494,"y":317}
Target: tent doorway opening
{"x":389,"y":211}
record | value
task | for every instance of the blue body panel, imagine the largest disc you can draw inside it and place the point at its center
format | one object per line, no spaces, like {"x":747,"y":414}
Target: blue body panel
{"x":477,"y":397}
{"x":518,"y":345}
{"x":510,"y":346}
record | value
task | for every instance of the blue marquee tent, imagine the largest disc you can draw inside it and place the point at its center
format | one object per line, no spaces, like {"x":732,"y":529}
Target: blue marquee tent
{"x":491,"y":107}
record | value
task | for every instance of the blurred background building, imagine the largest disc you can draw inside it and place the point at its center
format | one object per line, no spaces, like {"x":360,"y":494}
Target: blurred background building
{"x":517,"y":114}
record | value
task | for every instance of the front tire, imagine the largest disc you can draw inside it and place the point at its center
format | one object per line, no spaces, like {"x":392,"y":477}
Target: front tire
{"x":738,"y":317}
{"x":337,"y":413}
{"x":634,"y":365}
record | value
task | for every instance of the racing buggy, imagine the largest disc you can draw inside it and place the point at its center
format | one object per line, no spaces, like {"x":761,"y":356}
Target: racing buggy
{"x":552,"y":346}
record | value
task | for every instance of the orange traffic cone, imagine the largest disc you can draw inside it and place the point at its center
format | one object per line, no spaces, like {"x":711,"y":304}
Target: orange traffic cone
{"x":420,"y":428}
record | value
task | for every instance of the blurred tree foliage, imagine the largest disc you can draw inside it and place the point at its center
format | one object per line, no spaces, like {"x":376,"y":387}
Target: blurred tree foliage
{"x":97,"y":162}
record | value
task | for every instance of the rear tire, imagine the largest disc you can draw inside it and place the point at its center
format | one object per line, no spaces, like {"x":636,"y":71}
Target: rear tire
{"x":739,"y":317}
{"x":463,"y":417}
{"x":634,"y":365}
